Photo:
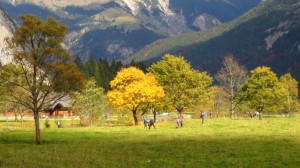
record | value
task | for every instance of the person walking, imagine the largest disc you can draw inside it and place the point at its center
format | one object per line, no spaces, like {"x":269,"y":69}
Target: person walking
{"x":202,"y":116}
{"x":145,"y":123}
{"x":178,"y":122}
{"x":151,"y":123}
{"x":58,"y":124}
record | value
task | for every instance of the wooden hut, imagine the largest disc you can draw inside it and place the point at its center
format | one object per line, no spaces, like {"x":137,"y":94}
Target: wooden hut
{"x":60,"y":108}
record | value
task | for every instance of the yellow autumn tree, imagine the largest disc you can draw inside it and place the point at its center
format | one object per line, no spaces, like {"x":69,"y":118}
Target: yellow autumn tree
{"x":261,"y":90}
{"x":132,"y":88}
{"x":289,"y":102}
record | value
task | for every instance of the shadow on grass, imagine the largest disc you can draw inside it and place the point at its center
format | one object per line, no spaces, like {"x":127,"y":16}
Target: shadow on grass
{"x":27,"y":138}
{"x":95,"y":150}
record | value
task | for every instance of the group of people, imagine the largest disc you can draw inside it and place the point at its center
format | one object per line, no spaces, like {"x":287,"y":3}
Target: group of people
{"x":202,"y":116}
{"x":148,"y":125}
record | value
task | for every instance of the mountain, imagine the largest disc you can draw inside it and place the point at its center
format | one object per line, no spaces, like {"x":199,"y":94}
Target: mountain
{"x":269,"y":35}
{"x":119,"y":28}
{"x":7,"y":27}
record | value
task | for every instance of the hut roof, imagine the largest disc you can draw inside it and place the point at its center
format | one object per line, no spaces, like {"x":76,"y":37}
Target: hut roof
{"x":63,"y":103}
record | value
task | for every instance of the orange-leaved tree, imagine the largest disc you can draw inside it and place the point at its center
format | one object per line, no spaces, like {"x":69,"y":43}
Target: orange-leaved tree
{"x":132,"y":88}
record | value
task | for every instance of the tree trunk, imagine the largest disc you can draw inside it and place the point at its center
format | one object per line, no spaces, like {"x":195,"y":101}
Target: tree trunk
{"x":6,"y":116}
{"x":259,"y":114}
{"x":135,"y":117}
{"x":16,"y":117}
{"x":21,"y":114}
{"x":154,"y":115}
{"x":37,"y":128}
{"x":180,"y":112}
{"x":231,"y":114}
{"x":231,"y":104}
{"x":181,"y":116}
{"x":290,"y":109}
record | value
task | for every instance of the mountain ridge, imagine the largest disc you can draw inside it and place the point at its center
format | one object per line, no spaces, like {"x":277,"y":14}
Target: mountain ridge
{"x":266,"y":35}
{"x":157,"y":18}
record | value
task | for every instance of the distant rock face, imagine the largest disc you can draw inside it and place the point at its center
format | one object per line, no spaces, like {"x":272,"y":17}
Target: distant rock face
{"x":119,"y":28}
{"x":7,"y":27}
{"x":275,"y":33}
{"x":268,"y":36}
{"x":158,"y":16}
{"x":205,"y":21}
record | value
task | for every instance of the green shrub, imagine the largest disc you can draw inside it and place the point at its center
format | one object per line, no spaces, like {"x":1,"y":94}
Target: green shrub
{"x":47,"y":124}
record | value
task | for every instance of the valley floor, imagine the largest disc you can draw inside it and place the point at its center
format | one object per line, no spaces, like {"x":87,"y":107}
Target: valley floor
{"x":222,"y":142}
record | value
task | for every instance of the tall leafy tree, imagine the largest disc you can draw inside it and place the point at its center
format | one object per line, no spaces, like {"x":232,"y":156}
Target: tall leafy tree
{"x":90,"y":102}
{"x":219,"y":100}
{"x":79,"y":63}
{"x":139,"y":65}
{"x":132,"y":89}
{"x":230,"y":77}
{"x":184,"y":86}
{"x":290,"y":100}
{"x":7,"y":103}
{"x":261,"y":90}
{"x":90,"y":68}
{"x":97,"y":75}
{"x":104,"y":73}
{"x":101,"y":71}
{"x":42,"y":66}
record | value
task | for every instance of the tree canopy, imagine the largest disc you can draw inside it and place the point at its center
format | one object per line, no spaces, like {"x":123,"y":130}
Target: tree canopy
{"x":184,"y":86}
{"x":261,"y":89}
{"x":90,"y":102}
{"x":289,"y":102}
{"x":43,"y":69}
{"x":230,"y":77}
{"x":131,"y":89}
{"x":103,"y":70}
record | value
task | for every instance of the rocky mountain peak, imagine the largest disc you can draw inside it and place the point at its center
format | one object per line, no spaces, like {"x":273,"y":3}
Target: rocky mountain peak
{"x":164,"y":6}
{"x":7,"y":27}
{"x":133,"y":6}
{"x":119,"y":28}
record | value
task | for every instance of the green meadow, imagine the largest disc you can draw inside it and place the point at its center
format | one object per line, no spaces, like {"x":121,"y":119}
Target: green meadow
{"x":220,"y":142}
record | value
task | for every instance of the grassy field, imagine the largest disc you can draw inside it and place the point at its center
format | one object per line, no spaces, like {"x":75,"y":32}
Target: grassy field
{"x":271,"y":142}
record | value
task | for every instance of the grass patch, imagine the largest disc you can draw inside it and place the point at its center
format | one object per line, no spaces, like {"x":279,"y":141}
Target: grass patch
{"x":273,"y":142}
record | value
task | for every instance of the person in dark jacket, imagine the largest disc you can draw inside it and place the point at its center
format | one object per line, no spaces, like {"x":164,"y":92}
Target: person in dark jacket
{"x":151,"y":123}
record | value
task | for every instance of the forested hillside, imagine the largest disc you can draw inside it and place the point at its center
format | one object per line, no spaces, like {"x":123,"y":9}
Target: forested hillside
{"x":116,"y":29}
{"x":102,"y":70}
{"x":266,"y":35}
